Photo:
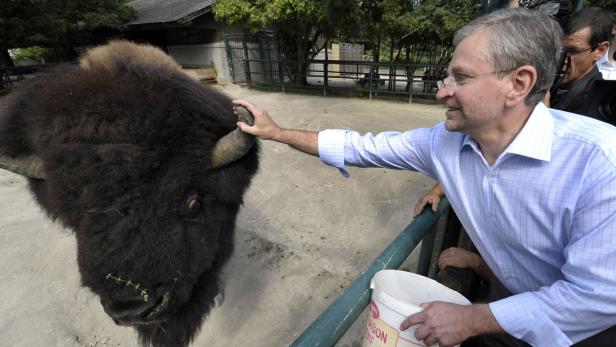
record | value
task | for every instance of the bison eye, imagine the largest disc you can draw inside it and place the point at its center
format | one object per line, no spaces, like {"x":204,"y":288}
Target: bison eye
{"x":193,"y":203}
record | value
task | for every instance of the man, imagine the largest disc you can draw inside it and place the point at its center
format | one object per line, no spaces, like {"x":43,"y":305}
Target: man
{"x":586,"y":42}
{"x":534,"y":188}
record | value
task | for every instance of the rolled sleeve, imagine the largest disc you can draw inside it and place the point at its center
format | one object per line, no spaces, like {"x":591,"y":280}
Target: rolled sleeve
{"x":521,"y":316}
{"x":331,"y":148}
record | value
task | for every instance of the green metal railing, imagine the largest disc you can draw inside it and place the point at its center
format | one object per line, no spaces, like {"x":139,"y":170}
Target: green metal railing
{"x":329,"y":327}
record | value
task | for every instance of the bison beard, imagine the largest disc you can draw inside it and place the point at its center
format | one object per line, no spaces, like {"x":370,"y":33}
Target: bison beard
{"x":124,"y":148}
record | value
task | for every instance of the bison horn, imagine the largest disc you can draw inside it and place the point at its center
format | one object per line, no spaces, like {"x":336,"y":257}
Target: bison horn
{"x":235,"y":144}
{"x":31,"y":166}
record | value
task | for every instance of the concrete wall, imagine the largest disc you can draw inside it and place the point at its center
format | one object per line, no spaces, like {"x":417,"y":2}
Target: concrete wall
{"x":203,"y":55}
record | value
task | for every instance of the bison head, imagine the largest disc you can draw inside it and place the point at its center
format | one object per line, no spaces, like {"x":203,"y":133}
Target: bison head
{"x":144,"y":165}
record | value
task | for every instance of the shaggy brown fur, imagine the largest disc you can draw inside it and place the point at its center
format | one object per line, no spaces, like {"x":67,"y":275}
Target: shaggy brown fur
{"x":126,"y":141}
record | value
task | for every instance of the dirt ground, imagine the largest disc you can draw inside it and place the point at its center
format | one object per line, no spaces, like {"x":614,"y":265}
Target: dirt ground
{"x":304,"y":233}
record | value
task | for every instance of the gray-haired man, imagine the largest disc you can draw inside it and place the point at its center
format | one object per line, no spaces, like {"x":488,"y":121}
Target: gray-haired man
{"x":535,"y":188}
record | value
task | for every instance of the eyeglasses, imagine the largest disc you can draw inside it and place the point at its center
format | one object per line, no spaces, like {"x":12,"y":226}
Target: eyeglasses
{"x":574,"y":51}
{"x":452,"y":82}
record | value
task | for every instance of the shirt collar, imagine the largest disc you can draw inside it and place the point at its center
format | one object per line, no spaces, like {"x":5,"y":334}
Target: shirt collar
{"x":603,"y":59}
{"x":533,"y":141}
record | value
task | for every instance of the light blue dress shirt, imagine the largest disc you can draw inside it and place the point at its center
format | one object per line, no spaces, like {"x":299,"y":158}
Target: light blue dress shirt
{"x":543,"y":216}
{"x":607,"y":67}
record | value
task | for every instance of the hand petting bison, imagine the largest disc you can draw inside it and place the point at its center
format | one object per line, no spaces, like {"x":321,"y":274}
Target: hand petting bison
{"x":146,"y":166}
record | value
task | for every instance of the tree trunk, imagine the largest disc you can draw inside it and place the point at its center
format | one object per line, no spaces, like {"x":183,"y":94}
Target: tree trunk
{"x":303,"y":48}
{"x":376,"y":51}
{"x":300,"y":70}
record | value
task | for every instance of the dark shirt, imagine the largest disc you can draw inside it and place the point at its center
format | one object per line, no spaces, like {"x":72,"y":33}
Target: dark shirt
{"x":577,"y":98}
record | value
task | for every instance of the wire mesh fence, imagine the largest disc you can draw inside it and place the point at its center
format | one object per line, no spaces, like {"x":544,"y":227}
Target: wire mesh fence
{"x":256,"y":60}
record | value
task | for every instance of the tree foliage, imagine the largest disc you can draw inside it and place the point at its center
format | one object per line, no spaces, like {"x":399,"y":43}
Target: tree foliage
{"x":609,"y":5}
{"x":57,"y":23}
{"x":427,"y":23}
{"x":302,"y":26}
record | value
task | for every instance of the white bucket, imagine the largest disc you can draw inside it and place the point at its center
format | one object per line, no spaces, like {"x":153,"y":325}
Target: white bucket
{"x":395,"y":296}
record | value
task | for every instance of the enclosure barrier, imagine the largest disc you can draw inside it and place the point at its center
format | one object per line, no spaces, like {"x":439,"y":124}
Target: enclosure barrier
{"x":398,"y":80}
{"x":329,"y":327}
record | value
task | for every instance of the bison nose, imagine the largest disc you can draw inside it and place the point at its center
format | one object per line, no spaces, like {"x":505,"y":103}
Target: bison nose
{"x":138,"y":309}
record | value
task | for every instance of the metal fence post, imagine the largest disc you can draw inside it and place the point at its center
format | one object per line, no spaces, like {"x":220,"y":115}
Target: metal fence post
{"x":370,"y":83}
{"x":325,"y":66}
{"x":246,"y":61}
{"x":427,"y":245}
{"x":229,"y":57}
{"x":411,"y":77}
{"x":269,"y":59}
{"x":281,"y":64}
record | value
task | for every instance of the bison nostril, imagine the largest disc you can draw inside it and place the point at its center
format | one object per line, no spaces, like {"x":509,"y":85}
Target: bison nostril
{"x":128,"y":310}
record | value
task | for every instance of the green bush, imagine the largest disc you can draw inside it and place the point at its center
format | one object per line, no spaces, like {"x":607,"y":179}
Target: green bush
{"x":36,"y":53}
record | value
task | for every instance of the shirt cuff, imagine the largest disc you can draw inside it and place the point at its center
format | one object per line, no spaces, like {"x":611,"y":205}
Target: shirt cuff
{"x":331,"y":148}
{"x":521,"y":316}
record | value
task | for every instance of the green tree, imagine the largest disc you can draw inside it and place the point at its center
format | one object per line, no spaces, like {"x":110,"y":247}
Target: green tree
{"x":56,"y":23}
{"x":16,"y":25}
{"x":609,"y":5}
{"x":302,"y":26}
{"x":424,"y":25}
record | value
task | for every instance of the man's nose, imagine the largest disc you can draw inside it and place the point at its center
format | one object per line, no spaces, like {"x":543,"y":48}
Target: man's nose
{"x":443,"y":93}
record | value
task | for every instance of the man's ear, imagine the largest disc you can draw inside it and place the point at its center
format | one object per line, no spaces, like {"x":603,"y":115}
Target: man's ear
{"x":600,"y":51}
{"x":523,"y":80}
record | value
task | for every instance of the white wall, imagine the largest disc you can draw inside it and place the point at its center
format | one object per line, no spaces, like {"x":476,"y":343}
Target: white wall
{"x":203,"y":55}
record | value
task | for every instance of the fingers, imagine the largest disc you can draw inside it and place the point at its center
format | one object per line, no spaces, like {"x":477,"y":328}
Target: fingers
{"x":456,"y":257}
{"x":420,"y":206}
{"x":422,"y":332}
{"x":411,"y":320}
{"x":430,"y":341}
{"x":428,"y":199}
{"x":445,"y":259}
{"x":251,"y":107}
{"x":243,"y":126}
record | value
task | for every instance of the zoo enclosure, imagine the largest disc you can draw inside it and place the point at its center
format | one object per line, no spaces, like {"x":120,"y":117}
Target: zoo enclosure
{"x":256,"y":60}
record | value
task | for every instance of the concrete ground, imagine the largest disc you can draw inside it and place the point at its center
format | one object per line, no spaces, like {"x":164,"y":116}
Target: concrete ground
{"x":304,"y":233}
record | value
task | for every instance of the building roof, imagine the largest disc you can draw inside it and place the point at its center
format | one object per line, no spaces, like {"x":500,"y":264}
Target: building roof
{"x":168,"y":11}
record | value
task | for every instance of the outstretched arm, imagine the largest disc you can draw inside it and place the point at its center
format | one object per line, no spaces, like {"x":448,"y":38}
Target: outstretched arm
{"x":265,"y":128}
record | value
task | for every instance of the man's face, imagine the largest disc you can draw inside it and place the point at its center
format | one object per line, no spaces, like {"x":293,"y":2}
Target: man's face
{"x":582,"y":57}
{"x":473,"y":93}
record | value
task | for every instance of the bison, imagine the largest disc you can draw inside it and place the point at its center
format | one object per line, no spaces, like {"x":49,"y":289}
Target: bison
{"x":148,"y":169}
